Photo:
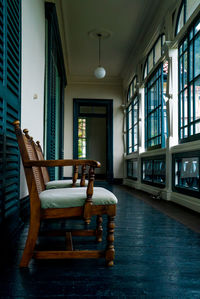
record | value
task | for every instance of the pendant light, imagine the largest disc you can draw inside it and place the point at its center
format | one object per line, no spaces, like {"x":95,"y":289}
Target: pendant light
{"x":99,"y":72}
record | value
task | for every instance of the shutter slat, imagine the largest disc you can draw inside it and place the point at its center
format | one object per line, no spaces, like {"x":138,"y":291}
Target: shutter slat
{"x":9,"y":107}
{"x":14,"y":17}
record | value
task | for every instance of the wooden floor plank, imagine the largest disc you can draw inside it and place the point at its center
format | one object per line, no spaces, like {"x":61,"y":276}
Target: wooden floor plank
{"x":157,"y":255}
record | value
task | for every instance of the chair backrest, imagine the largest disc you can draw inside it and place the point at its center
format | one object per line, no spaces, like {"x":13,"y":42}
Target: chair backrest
{"x":28,"y":153}
{"x":40,"y":156}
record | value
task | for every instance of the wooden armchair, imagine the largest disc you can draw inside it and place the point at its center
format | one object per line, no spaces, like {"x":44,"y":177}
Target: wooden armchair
{"x":64,"y":203}
{"x":74,"y":182}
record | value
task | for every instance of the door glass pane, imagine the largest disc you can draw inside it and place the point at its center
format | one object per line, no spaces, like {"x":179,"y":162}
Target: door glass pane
{"x":81,"y":138}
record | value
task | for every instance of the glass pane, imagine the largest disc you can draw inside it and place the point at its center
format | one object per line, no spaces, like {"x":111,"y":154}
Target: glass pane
{"x":185,"y":108}
{"x":181,"y":20}
{"x":197,"y":56}
{"x":190,"y":7}
{"x":186,"y":132}
{"x":191,"y":104}
{"x":185,"y":70}
{"x":197,"y":128}
{"x":181,"y":72}
{"x":150,"y":59}
{"x":81,"y":138}
{"x":93,"y":109}
{"x":197,"y":26}
{"x":135,"y":169}
{"x":191,"y":62}
{"x":191,"y":34}
{"x":130,"y":119}
{"x":181,"y":109}
{"x":145,"y":70}
{"x":130,"y":138}
{"x":197,"y":99}
{"x":158,"y":50}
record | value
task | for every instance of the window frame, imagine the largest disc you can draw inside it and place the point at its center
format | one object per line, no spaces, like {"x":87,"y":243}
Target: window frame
{"x":146,"y":64}
{"x":159,"y":76}
{"x":190,"y":83}
{"x":153,"y":159}
{"x":179,"y":189}
{"x":132,"y":101}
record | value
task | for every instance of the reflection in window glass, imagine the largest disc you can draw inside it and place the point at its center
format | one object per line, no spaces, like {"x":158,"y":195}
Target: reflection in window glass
{"x":187,"y":173}
{"x":132,"y":169}
{"x":154,"y":170}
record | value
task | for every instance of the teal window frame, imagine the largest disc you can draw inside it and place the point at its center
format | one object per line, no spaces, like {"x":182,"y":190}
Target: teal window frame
{"x":154,"y":171}
{"x":147,"y":69}
{"x":132,"y":169}
{"x":181,"y":183}
{"x":182,"y":13}
{"x":132,"y":118}
{"x":155,"y":110}
{"x":188,"y":59}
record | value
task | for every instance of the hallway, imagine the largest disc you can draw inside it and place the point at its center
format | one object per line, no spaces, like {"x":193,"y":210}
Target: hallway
{"x":156,"y":257}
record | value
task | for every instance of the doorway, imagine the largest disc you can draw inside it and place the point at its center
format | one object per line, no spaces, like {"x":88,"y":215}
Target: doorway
{"x":93,"y":134}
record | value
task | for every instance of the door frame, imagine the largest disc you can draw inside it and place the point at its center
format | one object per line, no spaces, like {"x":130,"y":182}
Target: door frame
{"x":108,"y":103}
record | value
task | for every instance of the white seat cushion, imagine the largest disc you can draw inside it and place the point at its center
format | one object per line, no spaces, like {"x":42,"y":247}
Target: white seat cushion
{"x":63,"y":184}
{"x":75,"y":197}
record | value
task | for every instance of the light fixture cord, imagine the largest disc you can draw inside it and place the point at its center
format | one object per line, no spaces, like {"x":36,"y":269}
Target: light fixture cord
{"x":99,"y":35}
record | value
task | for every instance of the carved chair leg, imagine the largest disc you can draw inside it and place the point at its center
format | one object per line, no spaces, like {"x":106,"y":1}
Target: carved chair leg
{"x":99,"y":228}
{"x":30,"y":242}
{"x":110,"y":251}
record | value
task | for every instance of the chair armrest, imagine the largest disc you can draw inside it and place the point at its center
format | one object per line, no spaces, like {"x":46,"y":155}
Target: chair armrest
{"x":54,"y":163}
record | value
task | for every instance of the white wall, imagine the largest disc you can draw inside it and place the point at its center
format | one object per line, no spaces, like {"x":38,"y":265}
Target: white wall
{"x":86,"y":91}
{"x":33,"y":63}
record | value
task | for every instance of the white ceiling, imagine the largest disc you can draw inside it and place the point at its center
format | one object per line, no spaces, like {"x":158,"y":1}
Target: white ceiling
{"x":126,"y":20}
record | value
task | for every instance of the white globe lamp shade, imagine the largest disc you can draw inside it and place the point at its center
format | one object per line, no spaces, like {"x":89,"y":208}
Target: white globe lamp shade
{"x":100,"y":72}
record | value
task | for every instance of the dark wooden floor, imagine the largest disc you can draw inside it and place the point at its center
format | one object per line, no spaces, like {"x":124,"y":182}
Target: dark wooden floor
{"x":157,"y":256}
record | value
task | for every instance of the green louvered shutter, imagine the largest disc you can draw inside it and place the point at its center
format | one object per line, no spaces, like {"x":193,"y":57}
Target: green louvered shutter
{"x":10,"y":48}
{"x":55,"y":91}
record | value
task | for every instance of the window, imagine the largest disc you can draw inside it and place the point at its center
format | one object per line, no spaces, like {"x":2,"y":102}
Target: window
{"x":132,"y":117}
{"x":189,"y":84}
{"x":186,"y":10}
{"x":154,"y":55}
{"x":153,"y":171}
{"x":186,"y":173}
{"x":132,"y":169}
{"x":82,"y":138}
{"x":155,"y":108}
